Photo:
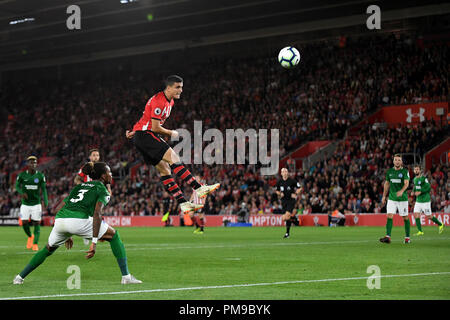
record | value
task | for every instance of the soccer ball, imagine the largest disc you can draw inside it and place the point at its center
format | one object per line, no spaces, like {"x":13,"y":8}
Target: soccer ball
{"x":289,"y":57}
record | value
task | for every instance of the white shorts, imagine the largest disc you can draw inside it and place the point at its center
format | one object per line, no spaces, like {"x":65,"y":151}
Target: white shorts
{"x":66,"y":227}
{"x":423,"y":207}
{"x":35,"y":212}
{"x":401,"y":206}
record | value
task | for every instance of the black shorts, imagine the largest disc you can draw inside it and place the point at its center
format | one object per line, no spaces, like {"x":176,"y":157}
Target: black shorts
{"x":288,"y":206}
{"x":151,"y":145}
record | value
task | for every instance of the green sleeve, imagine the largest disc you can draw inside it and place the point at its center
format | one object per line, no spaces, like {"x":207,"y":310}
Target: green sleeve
{"x":103,"y":196}
{"x":44,"y":191}
{"x":407,"y":174}
{"x":386,"y":175}
{"x":19,"y":185}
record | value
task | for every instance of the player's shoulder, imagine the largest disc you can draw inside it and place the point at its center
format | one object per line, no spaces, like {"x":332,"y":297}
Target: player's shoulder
{"x":99,"y":185}
{"x":157,"y":98}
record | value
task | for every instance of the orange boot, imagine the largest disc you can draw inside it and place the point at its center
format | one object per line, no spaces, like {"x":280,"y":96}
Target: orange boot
{"x":30,"y":242}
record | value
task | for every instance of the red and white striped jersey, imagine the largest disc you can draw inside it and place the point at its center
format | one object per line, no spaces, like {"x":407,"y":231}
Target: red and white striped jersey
{"x":158,"y":108}
{"x":196,"y":199}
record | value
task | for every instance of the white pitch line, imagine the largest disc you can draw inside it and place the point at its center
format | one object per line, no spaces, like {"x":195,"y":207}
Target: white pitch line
{"x":223,"y":286}
{"x":176,"y":247}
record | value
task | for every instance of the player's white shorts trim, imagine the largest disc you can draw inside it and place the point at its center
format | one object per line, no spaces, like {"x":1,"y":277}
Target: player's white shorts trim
{"x":401,"y":206}
{"x":35,"y":212}
{"x":423,"y":207}
{"x":66,"y":227}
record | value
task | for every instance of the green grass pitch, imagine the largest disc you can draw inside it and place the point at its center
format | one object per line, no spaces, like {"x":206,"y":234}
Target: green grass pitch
{"x":237,"y":264}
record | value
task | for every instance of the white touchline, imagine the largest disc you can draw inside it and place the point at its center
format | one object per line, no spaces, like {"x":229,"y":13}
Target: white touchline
{"x":222,"y":286}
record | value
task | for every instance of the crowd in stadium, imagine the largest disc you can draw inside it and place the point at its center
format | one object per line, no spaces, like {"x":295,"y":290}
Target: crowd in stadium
{"x":331,"y":90}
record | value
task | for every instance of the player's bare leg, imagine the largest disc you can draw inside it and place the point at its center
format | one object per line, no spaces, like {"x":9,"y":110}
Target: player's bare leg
{"x":200,"y":223}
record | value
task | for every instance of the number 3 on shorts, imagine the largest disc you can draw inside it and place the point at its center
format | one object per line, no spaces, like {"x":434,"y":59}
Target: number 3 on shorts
{"x":80,"y":196}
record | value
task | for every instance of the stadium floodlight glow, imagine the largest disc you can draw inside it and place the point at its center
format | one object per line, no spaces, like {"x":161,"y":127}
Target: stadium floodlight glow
{"x":21,"y":20}
{"x":128,"y":1}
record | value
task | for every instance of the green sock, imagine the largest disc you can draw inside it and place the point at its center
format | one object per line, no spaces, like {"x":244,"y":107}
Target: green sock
{"x":37,"y":259}
{"x":118,"y":250}
{"x":407,"y":227}
{"x":37,"y":233}
{"x":26,"y":228}
{"x":435,"y":220}
{"x":418,"y":224}
{"x":389,"y":226}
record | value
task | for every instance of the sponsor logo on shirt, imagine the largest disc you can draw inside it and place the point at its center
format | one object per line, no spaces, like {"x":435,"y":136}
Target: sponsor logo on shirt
{"x":31,"y":187}
{"x":396,"y":180}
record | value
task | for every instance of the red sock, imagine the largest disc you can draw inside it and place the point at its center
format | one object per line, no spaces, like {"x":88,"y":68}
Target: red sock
{"x":194,"y":221}
{"x":172,"y":188}
{"x":182,"y":172}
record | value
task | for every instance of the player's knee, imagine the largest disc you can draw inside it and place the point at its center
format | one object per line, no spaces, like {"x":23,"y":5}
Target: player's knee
{"x":174,"y":157}
{"x":110,"y":234}
{"x":51,"y":249}
{"x":163,"y":168}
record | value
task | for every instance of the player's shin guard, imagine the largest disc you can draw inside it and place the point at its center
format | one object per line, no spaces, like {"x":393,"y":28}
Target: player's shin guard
{"x":36,"y":233}
{"x":389,"y":226}
{"x":418,"y":224}
{"x":173,"y":189}
{"x":435,"y":220}
{"x":118,"y":250}
{"x":182,"y":172}
{"x":407,"y":227}
{"x":37,"y":260}
{"x":26,"y":228}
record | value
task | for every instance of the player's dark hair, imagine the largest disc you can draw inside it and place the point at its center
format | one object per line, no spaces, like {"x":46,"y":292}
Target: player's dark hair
{"x":173,"y":79}
{"x":94,"y":170}
{"x":93,"y":150}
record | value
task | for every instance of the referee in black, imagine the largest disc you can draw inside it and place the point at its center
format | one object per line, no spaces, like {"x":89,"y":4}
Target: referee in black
{"x":287,"y":188}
